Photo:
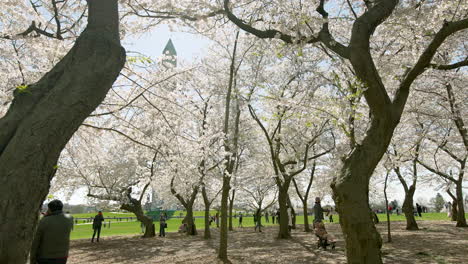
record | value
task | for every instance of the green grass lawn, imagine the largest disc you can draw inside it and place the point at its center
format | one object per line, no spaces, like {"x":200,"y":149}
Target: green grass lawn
{"x":127,"y":228}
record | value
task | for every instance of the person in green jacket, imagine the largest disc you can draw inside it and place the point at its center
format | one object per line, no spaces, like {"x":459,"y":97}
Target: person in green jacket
{"x":52,"y":238}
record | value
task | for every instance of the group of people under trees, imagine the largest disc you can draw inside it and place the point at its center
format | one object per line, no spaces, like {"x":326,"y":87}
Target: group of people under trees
{"x":52,"y":238}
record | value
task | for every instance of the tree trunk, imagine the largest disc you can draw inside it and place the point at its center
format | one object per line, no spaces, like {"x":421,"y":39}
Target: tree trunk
{"x":389,"y":234}
{"x":454,"y":210}
{"x":207,"y":234}
{"x":231,"y":207}
{"x":223,"y":239}
{"x":207,"y":203}
{"x":306,"y":216}
{"x":259,"y":217}
{"x":191,"y":228}
{"x":351,"y":194}
{"x":461,"y":220}
{"x":408,"y":210}
{"x":136,"y":208}
{"x":43,"y":118}
{"x":293,"y":213}
{"x":283,"y":201}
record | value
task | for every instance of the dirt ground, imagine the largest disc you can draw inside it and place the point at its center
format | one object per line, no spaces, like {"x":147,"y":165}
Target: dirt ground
{"x":438,"y":242}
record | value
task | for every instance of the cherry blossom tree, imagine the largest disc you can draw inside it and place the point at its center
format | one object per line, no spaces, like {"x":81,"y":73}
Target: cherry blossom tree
{"x":298,"y":24}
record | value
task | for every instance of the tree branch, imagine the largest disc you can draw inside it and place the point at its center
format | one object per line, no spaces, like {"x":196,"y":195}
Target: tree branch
{"x":424,"y":60}
{"x":450,"y":66}
{"x":324,"y":35}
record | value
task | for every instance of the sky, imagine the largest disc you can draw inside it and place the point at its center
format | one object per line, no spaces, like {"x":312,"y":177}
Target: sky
{"x":189,"y":46}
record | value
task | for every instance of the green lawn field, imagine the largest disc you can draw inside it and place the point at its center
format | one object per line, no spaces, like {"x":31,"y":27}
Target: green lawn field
{"x":126,"y":228}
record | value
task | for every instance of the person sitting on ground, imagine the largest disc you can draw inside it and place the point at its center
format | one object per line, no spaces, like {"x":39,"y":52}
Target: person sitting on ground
{"x":320,"y":231}
{"x":183,"y":227}
{"x":52,"y":238}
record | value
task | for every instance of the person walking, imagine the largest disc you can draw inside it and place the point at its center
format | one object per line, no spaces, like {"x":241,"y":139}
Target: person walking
{"x":240,"y":220}
{"x":97,"y":225}
{"x":217,"y":219}
{"x":52,"y":238}
{"x":318,"y":210}
{"x":162,"y":224}
{"x":419,"y":209}
{"x":330,"y":215}
{"x":273,"y":216}
{"x":267,"y":220}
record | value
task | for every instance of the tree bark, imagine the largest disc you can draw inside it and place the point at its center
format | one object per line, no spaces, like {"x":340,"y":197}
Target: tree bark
{"x":306,"y":217}
{"x":188,"y":205}
{"x":191,"y":228}
{"x":223,"y":241}
{"x":351,"y":194}
{"x":454,"y":205}
{"x":231,"y":207}
{"x":408,"y":210}
{"x":42,"y":119}
{"x":207,"y":234}
{"x":231,"y":147}
{"x":461,"y":220}
{"x":283,"y":201}
{"x":306,"y":196}
{"x":454,"y":211}
{"x":389,"y":234}
{"x":136,"y":208}
{"x":207,"y":203}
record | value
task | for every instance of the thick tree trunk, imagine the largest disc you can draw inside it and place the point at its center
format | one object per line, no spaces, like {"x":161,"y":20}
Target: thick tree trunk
{"x":408,"y":210}
{"x":231,"y":207}
{"x":283,"y":201}
{"x":191,"y":228}
{"x":43,"y":118}
{"x":306,"y":216}
{"x":461,"y":220}
{"x":351,"y":194}
{"x":223,"y":243}
{"x":136,"y":208}
{"x":454,"y":210}
{"x":207,"y":234}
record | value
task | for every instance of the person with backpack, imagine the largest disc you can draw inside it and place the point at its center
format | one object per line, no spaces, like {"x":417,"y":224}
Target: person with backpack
{"x":97,"y":225}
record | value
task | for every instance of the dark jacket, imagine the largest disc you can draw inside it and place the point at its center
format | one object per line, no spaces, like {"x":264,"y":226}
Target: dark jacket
{"x":162,"y":219}
{"x":97,"y":222}
{"x":318,"y":212}
{"x":52,"y":238}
